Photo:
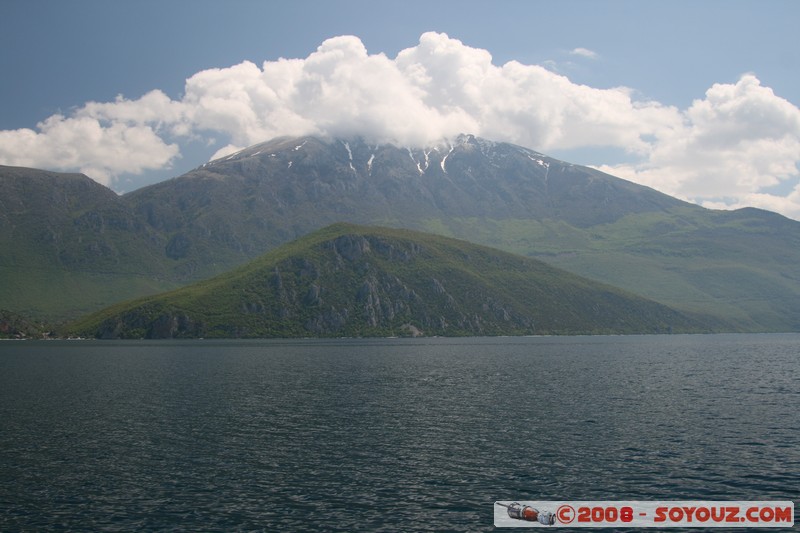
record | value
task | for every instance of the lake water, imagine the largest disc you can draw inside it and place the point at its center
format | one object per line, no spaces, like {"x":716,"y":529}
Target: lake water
{"x":392,"y":435}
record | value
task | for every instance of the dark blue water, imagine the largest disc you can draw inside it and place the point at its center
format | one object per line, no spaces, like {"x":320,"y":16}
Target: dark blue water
{"x":369,"y":435}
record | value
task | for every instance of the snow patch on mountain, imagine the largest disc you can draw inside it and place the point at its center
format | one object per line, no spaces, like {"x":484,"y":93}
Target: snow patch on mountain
{"x":349,"y":156}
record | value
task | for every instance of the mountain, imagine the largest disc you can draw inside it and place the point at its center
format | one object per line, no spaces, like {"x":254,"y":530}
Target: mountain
{"x":69,"y":245}
{"x":742,"y":266}
{"x":279,"y":190}
{"x":347,"y":280}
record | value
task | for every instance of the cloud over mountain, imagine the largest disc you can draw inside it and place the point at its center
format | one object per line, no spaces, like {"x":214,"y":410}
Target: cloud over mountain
{"x":101,"y":140}
{"x":734,"y":146}
{"x":730,"y":147}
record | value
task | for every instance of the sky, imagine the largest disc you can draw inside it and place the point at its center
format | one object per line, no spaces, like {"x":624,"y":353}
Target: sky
{"x":695,"y":98}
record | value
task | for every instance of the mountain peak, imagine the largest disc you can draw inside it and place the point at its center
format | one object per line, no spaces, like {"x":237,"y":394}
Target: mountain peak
{"x":273,"y":147}
{"x":466,"y":176}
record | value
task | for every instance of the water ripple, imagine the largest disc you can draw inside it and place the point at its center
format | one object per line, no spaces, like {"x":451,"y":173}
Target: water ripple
{"x":388,"y":435}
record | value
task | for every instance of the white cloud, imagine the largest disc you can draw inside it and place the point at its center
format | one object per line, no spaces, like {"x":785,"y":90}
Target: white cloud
{"x":788,"y":205}
{"x":585,"y":52}
{"x":100,"y":149}
{"x":730,"y":146}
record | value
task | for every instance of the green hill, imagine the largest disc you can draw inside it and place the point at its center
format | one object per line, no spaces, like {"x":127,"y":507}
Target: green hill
{"x":15,"y":326}
{"x":741,"y":266}
{"x":69,"y":245}
{"x":347,"y":280}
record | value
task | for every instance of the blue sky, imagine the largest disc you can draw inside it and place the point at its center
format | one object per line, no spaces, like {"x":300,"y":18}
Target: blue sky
{"x":695,"y":98}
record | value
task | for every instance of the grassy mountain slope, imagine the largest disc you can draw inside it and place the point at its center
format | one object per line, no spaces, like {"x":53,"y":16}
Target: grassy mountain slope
{"x":742,"y":266}
{"x":69,"y":245}
{"x":347,"y":280}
